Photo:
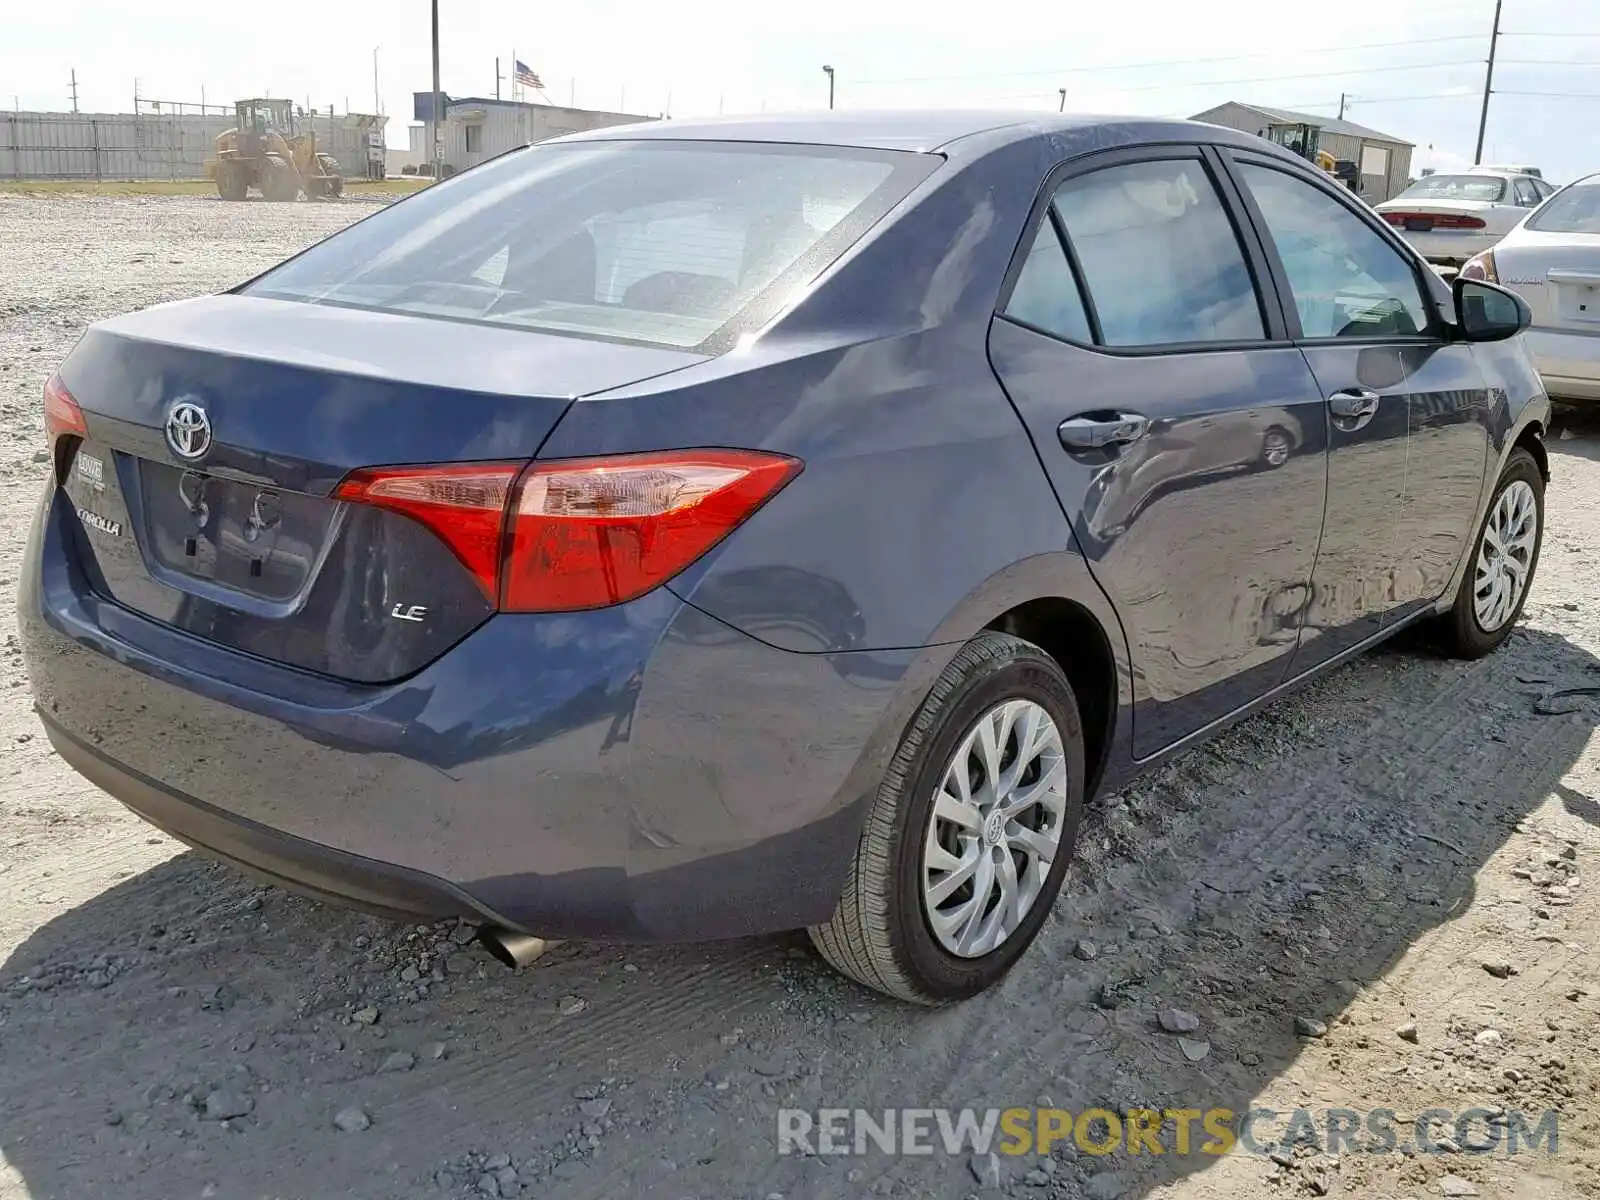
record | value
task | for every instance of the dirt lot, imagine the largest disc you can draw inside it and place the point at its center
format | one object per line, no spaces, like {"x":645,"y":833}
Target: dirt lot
{"x":1405,"y":852}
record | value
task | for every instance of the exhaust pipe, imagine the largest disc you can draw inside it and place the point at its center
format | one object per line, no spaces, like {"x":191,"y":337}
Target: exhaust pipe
{"x":513,"y":949}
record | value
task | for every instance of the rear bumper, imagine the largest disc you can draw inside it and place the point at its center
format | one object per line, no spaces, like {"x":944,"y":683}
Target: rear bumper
{"x":1568,"y":362}
{"x":643,"y":772}
{"x":1450,"y":249}
{"x":268,"y":854}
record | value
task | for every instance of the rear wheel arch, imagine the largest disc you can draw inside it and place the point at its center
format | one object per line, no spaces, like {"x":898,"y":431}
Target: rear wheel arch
{"x":1531,"y":439}
{"x":1071,"y":635}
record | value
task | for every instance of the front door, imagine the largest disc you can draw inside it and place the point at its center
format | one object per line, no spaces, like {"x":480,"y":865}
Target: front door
{"x":1185,"y":436}
{"x":1409,"y":411}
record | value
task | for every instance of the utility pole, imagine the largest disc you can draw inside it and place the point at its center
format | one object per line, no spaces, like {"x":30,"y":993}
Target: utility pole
{"x":1341,"y":106}
{"x":1488,"y":85}
{"x":497,"y":77}
{"x":377,"y":98}
{"x":828,"y":71}
{"x":74,"y":89}
{"x":433,"y":108}
{"x":1063,"y":92}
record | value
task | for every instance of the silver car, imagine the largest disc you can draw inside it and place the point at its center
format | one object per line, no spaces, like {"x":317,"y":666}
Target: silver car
{"x":1552,"y":260}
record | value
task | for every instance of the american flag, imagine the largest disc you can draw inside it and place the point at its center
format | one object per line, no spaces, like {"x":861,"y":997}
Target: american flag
{"x":526,"y":76}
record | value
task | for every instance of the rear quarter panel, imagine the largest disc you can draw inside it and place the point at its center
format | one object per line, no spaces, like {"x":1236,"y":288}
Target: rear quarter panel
{"x":920,"y":483}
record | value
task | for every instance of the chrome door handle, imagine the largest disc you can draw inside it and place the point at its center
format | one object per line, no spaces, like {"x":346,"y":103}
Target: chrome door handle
{"x":1354,"y":402}
{"x":1097,"y":430}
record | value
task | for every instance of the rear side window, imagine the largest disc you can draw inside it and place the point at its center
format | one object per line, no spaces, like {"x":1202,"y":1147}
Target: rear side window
{"x":1046,"y":294}
{"x":1160,"y":258}
{"x":1527,"y":194}
{"x":668,"y":243}
{"x":1574,"y":209}
{"x":1348,"y":282}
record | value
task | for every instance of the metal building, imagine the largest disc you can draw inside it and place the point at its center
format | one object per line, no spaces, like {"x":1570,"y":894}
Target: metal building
{"x":52,"y":145}
{"x":475,"y":129}
{"x":1383,"y":160}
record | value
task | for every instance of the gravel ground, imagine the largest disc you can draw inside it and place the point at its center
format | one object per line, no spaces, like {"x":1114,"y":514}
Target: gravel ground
{"x":1393,"y":857}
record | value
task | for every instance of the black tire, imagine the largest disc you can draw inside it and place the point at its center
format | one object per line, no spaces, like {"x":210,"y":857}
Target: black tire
{"x":879,"y":934}
{"x":231,"y":183}
{"x":1458,"y":632}
{"x":279,"y":182}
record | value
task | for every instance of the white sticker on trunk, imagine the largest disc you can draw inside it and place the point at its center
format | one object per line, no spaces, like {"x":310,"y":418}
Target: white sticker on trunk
{"x":91,"y":470}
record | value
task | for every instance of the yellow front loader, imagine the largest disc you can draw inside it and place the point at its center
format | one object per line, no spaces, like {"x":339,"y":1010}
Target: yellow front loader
{"x":265,"y":150}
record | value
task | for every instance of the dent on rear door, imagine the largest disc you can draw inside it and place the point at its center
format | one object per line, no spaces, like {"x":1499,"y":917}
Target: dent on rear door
{"x":1201,"y":536}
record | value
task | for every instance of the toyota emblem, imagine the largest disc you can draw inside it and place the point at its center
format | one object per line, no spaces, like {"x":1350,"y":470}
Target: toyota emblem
{"x":188,"y":430}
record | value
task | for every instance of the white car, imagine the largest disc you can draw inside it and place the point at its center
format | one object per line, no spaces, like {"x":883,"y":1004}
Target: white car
{"x":1449,"y":218}
{"x":1552,"y":260}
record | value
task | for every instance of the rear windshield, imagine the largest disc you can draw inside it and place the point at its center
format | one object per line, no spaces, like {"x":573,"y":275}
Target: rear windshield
{"x":1488,"y":188}
{"x":1575,"y":209}
{"x":669,"y":243}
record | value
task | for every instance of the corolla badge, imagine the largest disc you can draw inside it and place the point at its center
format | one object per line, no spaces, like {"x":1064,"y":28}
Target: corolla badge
{"x":188,"y":430}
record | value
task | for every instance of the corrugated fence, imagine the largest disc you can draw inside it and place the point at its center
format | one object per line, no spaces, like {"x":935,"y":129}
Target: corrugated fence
{"x":45,"y":145}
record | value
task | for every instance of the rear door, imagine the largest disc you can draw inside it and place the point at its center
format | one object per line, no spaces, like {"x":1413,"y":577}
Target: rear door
{"x":1185,"y":436}
{"x":1409,"y":409}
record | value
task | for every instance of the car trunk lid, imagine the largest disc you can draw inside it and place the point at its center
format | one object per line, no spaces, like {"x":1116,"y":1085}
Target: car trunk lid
{"x":1427,"y":216}
{"x":217,"y":430}
{"x":1558,"y":275}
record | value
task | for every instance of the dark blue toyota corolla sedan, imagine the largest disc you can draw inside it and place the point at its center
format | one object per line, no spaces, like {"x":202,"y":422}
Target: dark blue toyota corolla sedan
{"x":701,"y":529}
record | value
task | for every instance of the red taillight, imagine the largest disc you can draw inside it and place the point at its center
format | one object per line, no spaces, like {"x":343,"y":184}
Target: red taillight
{"x":1436,"y":220}
{"x":464,"y":505}
{"x":579,"y":533}
{"x":586,"y":533}
{"x":62,"y":416}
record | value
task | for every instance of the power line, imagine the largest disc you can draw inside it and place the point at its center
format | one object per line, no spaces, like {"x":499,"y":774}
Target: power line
{"x":1408,"y":99}
{"x":1548,"y":62}
{"x":1220,"y":83}
{"x":1562,"y":95}
{"x":1163,"y":87}
{"x":1174,"y":62}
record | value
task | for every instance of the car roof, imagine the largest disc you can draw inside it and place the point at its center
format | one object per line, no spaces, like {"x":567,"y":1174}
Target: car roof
{"x":905,"y":129}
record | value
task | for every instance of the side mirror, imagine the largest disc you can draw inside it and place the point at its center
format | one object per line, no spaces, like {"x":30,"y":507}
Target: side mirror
{"x":1487,"y":312}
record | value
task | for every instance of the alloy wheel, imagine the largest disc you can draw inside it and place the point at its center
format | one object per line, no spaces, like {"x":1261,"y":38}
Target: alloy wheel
{"x":995,"y":828}
{"x":1505,"y":556}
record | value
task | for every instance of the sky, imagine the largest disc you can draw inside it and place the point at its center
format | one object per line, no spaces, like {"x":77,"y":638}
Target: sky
{"x":1411,"y":68}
